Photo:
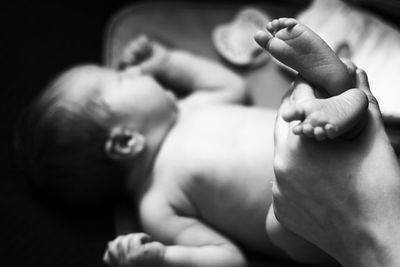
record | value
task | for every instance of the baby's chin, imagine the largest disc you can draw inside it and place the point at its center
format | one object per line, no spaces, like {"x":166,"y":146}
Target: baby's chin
{"x":171,"y":96}
{"x":174,"y":104}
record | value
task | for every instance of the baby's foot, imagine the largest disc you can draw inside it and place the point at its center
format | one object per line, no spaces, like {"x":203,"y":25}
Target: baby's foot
{"x":301,"y":49}
{"x":330,"y":117}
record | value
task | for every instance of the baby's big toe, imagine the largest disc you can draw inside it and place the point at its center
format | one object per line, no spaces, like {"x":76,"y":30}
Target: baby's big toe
{"x":331,"y":131}
{"x":262,"y":38}
{"x":288,"y":22}
{"x":308,"y":130}
{"x":298,"y":129}
{"x":319,"y":133}
{"x":293,"y":113}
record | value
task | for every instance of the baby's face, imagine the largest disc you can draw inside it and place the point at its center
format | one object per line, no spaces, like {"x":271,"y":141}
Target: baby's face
{"x":130,"y":95}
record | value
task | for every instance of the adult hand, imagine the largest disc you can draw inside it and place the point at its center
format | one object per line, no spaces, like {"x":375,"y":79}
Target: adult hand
{"x":342,"y":195}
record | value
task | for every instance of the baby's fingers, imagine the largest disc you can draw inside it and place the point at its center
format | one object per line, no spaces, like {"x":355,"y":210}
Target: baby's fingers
{"x":121,"y":250}
{"x":115,"y":252}
{"x":138,"y":50}
{"x":110,"y":259}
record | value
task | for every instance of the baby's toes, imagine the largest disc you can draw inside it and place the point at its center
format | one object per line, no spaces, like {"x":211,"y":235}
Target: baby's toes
{"x":293,"y":112}
{"x":288,"y":22}
{"x":319,"y":133}
{"x":274,"y":26}
{"x":298,"y":129}
{"x":331,"y":131}
{"x":278,"y":24}
{"x":262,"y":38}
{"x":315,"y":113}
{"x":308,"y":130}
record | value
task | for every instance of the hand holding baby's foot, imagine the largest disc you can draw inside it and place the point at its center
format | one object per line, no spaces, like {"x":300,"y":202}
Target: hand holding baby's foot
{"x":134,"y":250}
{"x":330,"y":117}
{"x":144,"y":53}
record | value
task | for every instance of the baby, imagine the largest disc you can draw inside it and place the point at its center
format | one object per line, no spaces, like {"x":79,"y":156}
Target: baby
{"x":198,"y":170}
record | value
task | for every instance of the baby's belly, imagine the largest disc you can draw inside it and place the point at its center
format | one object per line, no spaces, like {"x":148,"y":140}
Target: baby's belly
{"x":232,"y":185}
{"x":237,"y":206}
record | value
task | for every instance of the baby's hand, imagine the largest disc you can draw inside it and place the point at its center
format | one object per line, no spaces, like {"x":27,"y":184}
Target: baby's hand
{"x":144,"y":53}
{"x":134,"y":250}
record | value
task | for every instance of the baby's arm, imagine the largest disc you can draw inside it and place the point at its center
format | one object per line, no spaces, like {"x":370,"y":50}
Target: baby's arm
{"x":209,"y":81}
{"x":186,"y":242}
{"x":206,"y":79}
{"x":139,"y":250}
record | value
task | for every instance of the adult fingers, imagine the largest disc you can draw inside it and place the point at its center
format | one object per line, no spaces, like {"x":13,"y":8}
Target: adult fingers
{"x":363,"y":83}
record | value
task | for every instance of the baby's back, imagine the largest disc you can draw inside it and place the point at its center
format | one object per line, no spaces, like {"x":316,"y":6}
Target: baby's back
{"x":225,"y":153}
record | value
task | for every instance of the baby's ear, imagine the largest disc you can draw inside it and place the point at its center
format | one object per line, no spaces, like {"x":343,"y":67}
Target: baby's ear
{"x":124,"y":143}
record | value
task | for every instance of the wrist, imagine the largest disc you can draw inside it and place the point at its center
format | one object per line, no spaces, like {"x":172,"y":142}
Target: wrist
{"x":163,"y":66}
{"x":373,"y":247}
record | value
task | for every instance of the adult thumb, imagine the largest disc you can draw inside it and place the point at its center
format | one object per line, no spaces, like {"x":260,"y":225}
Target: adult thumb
{"x":363,"y":84}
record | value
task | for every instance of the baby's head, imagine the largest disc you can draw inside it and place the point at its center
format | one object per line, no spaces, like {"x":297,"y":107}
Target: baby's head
{"x":89,"y":130}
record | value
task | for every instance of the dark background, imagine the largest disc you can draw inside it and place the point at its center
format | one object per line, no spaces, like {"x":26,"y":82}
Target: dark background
{"x":38,"y":41}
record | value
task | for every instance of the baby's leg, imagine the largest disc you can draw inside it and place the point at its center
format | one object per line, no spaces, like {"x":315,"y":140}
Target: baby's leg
{"x":301,"y":49}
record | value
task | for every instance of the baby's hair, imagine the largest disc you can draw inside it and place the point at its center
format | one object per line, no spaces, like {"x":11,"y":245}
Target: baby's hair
{"x":61,"y":143}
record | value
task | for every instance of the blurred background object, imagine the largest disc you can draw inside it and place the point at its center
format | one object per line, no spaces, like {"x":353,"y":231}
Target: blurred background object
{"x":390,"y":9}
